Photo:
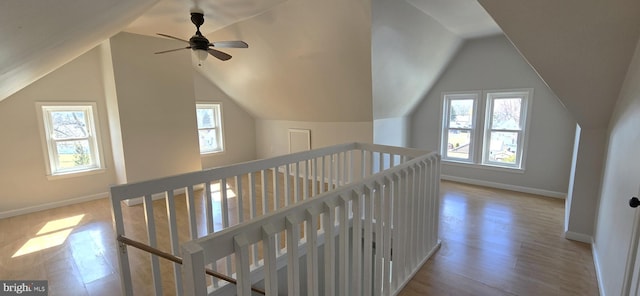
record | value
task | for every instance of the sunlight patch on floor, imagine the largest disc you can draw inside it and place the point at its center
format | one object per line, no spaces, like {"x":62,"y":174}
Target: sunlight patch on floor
{"x":216,"y":192}
{"x":52,"y":234}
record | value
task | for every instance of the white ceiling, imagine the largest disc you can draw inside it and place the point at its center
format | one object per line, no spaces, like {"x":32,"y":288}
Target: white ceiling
{"x":172,"y":17}
{"x":40,"y":36}
{"x":465,"y":18}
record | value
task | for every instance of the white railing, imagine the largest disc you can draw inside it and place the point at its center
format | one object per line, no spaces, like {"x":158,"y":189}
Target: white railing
{"x":376,"y":253}
{"x":193,"y":205}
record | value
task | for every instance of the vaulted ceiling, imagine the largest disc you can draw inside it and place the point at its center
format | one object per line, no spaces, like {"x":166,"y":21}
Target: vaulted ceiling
{"x":581,"y":48}
{"x":310,"y":58}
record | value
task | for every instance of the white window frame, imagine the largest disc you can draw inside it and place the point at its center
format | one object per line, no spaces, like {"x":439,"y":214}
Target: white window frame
{"x":482,"y":127}
{"x":447,"y":98}
{"x":218,"y":128}
{"x":49,"y":141}
{"x":491,"y":96}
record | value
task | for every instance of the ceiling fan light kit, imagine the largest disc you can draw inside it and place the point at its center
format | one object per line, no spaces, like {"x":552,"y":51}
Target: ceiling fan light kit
{"x":201,"y":46}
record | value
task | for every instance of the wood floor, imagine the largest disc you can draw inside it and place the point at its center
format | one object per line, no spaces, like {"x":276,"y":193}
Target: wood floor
{"x":493,"y":243}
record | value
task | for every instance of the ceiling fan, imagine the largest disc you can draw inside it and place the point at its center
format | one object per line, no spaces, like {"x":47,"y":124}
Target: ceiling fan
{"x":201,"y":45}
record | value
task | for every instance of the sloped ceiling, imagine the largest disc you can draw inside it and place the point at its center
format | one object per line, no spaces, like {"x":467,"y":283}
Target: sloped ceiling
{"x":581,"y":49}
{"x":40,"y":36}
{"x":465,"y":18}
{"x":413,"y":42}
{"x":172,"y":17}
{"x":306,"y":61}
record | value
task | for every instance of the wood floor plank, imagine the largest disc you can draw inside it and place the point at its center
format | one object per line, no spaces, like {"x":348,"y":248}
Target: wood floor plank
{"x":494,"y":242}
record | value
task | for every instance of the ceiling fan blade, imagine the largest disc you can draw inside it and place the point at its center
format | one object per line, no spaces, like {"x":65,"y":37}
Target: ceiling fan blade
{"x":219,"y":54}
{"x":169,"y":36}
{"x":230,"y":44}
{"x":170,"y":50}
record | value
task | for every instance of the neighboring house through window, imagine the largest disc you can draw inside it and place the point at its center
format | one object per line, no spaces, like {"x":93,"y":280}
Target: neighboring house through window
{"x":209,"y":120}
{"x":495,"y":137}
{"x":71,"y":143}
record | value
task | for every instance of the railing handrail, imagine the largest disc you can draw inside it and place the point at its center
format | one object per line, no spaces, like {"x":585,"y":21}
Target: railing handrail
{"x":224,"y":238}
{"x":149,"y":249}
{"x":159,"y":185}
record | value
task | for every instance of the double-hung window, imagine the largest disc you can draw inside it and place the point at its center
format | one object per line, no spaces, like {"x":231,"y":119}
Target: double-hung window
{"x":209,"y":127}
{"x":495,"y":137}
{"x":459,"y":126}
{"x":72,"y":144}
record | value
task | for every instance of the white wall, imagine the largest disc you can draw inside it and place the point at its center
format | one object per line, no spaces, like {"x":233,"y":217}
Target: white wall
{"x":621,"y":181}
{"x":238,"y":126}
{"x":156,"y":102}
{"x":493,"y":63}
{"x":272,"y":136}
{"x":23,"y":179}
{"x":391,"y":131}
{"x":409,"y":50}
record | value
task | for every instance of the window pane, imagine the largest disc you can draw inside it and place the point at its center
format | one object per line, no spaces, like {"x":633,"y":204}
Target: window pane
{"x":506,"y":113}
{"x":208,"y":140}
{"x":206,"y":118}
{"x":461,"y":113}
{"x":458,"y":144}
{"x":73,"y":154}
{"x":69,"y":124}
{"x":503,"y":147}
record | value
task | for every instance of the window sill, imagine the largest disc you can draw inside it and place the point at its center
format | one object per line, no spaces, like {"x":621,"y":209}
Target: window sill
{"x":210,"y":154}
{"x":75,"y":174}
{"x":484,"y":166}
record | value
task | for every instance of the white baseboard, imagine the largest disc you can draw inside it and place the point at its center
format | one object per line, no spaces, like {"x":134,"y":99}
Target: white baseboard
{"x":530,"y":190}
{"x":51,"y":205}
{"x":596,"y":263}
{"x":578,"y":237}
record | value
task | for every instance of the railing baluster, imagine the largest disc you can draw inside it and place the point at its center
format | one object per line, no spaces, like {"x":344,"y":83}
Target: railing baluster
{"x":208,"y":207}
{"x":323,"y":181}
{"x":312,"y":252}
{"x":253,"y":213}
{"x":406,"y":224}
{"x":343,"y":249}
{"x":151,"y":235}
{"x":276,"y":202}
{"x":305,"y":185}
{"x":174,"y":237}
{"x":412,"y":218}
{"x":123,"y":254}
{"x":293,"y":259}
{"x":314,"y":166}
{"x":225,"y":215}
{"x":287,"y":185}
{"x":396,"y":236}
{"x":265,"y":201}
{"x":331,"y":169}
{"x":241,"y":246}
{"x":368,"y":241}
{"x":357,"y":241}
{"x":240,"y":199}
{"x":269,"y":255}
{"x":191,"y":210}
{"x":296,"y":184}
{"x":329,"y":249}
{"x":338,"y":169}
{"x":379,"y":238}
{"x":388,"y":252}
